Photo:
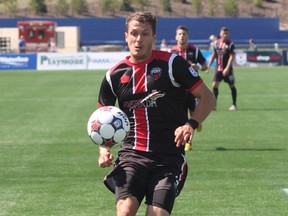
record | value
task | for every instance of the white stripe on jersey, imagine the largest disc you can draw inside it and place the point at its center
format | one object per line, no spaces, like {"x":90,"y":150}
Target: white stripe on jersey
{"x":108,"y":78}
{"x":170,"y":70}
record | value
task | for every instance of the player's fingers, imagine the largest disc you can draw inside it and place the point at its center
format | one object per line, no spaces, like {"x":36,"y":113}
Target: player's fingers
{"x":182,"y":136}
{"x":105,"y":161}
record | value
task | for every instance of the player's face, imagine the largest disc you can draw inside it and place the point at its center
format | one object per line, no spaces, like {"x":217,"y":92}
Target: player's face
{"x":181,"y":37}
{"x":140,"y":40}
{"x":224,"y":35}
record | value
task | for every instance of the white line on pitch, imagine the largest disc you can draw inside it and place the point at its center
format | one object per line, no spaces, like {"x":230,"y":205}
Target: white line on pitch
{"x":285,"y":190}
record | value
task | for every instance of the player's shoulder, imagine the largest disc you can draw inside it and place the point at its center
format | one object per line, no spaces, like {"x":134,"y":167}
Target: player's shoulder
{"x":229,"y":41}
{"x":191,"y":47}
{"x":162,"y":55}
{"x":174,"y":48}
{"x":120,"y":66}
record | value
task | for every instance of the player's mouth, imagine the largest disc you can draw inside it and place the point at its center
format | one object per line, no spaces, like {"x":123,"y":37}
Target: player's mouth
{"x":138,"y":48}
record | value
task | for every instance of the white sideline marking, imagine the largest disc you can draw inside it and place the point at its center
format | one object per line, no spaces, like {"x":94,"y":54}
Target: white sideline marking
{"x":285,"y":190}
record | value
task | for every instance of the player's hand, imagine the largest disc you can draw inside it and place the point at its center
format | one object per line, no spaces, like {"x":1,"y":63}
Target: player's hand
{"x":105,"y":157}
{"x":225,"y":72}
{"x":207,"y":70}
{"x":195,"y":66}
{"x":183,"y":134}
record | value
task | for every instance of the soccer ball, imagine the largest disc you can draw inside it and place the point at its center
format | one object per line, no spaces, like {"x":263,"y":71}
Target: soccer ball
{"x":108,"y":126}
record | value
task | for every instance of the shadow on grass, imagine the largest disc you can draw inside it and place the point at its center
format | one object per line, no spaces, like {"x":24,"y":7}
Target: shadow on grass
{"x":248,"y":149}
{"x":263,"y":109}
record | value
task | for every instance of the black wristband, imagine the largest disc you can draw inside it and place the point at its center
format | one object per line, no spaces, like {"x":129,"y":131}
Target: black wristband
{"x":193,"y":123}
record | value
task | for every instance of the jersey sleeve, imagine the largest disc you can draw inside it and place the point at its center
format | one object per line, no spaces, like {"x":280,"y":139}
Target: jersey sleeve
{"x":106,"y":96}
{"x":232,"y":48}
{"x":185,"y":75}
{"x":200,"y":59}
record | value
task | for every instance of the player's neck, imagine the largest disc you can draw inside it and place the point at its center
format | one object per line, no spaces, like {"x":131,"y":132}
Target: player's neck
{"x":182,"y":46}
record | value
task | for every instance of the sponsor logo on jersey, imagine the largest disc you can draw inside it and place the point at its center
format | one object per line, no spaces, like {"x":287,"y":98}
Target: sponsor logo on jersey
{"x":193,"y":71}
{"x":149,"y":101}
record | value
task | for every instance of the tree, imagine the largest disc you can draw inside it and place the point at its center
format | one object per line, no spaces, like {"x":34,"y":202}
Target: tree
{"x":231,"y":8}
{"x":166,"y":5}
{"x":143,"y":3}
{"x":257,"y":3}
{"x":211,"y":7}
{"x":107,"y":6}
{"x":62,"y":7}
{"x":197,"y":6}
{"x":11,"y":6}
{"x":38,"y":6}
{"x":79,"y":6}
{"x":126,"y":5}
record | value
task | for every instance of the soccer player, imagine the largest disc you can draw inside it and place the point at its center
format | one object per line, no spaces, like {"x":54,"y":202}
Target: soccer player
{"x":224,"y":54}
{"x":149,"y":88}
{"x":193,"y":56}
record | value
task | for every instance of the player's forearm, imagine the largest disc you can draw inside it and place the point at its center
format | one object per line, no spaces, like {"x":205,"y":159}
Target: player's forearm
{"x":206,"y":104}
{"x":211,"y":60}
{"x":230,"y":62}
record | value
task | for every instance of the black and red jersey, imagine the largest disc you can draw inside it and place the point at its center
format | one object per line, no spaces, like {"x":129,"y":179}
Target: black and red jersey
{"x":191,"y":54}
{"x":223,"y":49}
{"x":152,"y":94}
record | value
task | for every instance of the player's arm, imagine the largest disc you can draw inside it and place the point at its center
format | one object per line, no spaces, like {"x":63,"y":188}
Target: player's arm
{"x":106,"y":97}
{"x":200,"y":66}
{"x":211,"y":61}
{"x":229,"y":64}
{"x":206,"y":104}
{"x":201,"y":62}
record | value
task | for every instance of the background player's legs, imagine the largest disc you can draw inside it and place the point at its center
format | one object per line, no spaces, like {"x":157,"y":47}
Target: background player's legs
{"x":234,"y":97}
{"x":215,"y":87}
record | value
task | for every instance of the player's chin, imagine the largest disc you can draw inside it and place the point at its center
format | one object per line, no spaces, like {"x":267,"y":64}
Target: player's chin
{"x":138,"y":51}
{"x":139,"y":55}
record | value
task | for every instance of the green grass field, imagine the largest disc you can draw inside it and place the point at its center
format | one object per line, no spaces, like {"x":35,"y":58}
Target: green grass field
{"x":238,"y":166}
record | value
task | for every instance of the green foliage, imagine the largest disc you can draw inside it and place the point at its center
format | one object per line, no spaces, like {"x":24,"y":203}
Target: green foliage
{"x":166,"y":5}
{"x":11,"y":6}
{"x":211,"y":7}
{"x":62,"y":7}
{"x":231,"y":8}
{"x":257,"y":3}
{"x":125,"y":5}
{"x":142,"y":3}
{"x":79,"y":7}
{"x":38,"y":6}
{"x":105,"y":6}
{"x":197,"y":6}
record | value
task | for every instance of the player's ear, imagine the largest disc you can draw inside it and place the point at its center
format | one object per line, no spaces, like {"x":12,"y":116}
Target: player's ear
{"x":126,"y":35}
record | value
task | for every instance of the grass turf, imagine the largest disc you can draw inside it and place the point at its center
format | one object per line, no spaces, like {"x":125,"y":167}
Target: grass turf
{"x":238,"y":165}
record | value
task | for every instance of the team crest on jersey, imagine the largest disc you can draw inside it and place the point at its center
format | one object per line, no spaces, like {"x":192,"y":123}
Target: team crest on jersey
{"x":193,"y":71}
{"x":155,"y":73}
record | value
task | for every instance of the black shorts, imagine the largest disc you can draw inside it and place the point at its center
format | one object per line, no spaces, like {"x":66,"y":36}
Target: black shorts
{"x":230,"y":78}
{"x":141,"y":174}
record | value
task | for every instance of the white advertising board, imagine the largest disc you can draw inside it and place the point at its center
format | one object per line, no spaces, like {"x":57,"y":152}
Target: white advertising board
{"x":61,"y":61}
{"x":104,"y":60}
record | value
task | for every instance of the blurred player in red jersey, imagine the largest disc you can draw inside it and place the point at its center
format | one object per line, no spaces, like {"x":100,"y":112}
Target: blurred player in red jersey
{"x":150,"y":87}
{"x":224,"y":54}
{"x":193,"y":56}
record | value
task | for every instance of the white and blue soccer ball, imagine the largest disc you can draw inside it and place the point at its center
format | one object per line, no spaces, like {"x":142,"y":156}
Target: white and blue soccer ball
{"x":108,"y":126}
